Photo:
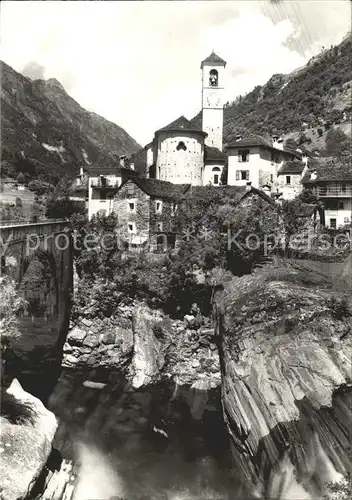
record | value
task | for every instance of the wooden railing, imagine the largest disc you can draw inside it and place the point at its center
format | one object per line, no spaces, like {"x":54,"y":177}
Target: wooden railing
{"x":333,"y":191}
{"x":107,"y":184}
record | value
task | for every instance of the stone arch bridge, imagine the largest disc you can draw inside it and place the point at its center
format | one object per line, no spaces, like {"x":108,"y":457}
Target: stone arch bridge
{"x":50,"y":244}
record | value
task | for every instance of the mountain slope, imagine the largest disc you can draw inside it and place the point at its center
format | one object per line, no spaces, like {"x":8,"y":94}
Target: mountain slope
{"x":315,"y":96}
{"x":47,"y":134}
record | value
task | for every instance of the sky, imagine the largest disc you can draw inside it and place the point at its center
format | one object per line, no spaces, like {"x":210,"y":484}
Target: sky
{"x":138,"y":63}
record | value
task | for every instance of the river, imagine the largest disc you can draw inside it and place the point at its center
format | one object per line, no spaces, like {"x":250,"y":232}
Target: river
{"x":141,"y":444}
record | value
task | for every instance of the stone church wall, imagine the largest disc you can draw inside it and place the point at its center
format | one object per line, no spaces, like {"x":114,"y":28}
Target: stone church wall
{"x":180,"y":166}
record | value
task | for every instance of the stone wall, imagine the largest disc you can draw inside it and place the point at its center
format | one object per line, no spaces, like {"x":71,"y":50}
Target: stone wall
{"x":177,"y":165}
{"x":140,"y":216}
{"x":289,"y":191}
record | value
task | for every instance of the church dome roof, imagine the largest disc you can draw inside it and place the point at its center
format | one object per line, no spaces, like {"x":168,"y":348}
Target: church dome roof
{"x":181,"y":124}
{"x":213,"y":59}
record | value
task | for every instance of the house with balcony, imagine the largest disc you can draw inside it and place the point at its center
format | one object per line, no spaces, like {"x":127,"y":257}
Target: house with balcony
{"x":103,"y":182}
{"x":330,"y":180}
{"x":258,"y":160}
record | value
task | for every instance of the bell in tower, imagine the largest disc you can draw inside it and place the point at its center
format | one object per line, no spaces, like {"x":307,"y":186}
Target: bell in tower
{"x":213,"y":68}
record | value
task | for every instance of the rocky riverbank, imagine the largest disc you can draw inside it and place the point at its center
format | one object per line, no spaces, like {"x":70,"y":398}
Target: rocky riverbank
{"x":147,"y":347}
{"x":286,"y":381}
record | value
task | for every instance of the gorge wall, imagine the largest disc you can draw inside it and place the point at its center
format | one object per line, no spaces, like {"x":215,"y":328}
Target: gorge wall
{"x":286,"y":381}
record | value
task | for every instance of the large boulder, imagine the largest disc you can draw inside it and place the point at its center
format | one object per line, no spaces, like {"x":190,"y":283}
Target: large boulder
{"x":26,"y":442}
{"x":286,"y":372}
{"x":151,"y":339}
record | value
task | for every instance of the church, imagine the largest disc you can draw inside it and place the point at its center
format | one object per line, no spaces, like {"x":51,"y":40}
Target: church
{"x":181,"y":152}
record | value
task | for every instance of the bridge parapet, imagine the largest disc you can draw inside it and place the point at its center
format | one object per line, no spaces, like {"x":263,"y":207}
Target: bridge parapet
{"x":11,"y":233}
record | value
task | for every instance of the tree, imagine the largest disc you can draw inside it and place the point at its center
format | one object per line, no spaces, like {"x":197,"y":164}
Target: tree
{"x":11,"y":306}
{"x":40,"y":188}
{"x":336,"y":143}
{"x":21,"y":178}
{"x":37,"y":210}
{"x":292,"y":219}
{"x":224,"y":173}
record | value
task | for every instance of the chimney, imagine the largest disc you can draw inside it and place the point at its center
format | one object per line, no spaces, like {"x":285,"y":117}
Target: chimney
{"x":81,"y":172}
{"x":305,"y":159}
{"x":238,"y":137}
{"x":248,"y":185}
{"x":132,"y":165}
{"x":278,"y":143}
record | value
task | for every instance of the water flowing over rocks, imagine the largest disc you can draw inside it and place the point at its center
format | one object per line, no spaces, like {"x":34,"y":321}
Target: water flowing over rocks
{"x":286,"y":371}
{"x":25,"y":445}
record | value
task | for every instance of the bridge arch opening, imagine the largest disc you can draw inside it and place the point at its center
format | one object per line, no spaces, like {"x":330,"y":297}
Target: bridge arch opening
{"x":38,"y":285}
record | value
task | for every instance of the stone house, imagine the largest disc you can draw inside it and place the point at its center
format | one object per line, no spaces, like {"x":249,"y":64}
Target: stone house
{"x":145,"y":209}
{"x":330,"y":180}
{"x":272,"y":220}
{"x":289,"y":179}
{"x":103,"y":182}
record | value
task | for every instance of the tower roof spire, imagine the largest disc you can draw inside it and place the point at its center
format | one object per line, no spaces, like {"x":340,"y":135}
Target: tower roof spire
{"x":213,"y":59}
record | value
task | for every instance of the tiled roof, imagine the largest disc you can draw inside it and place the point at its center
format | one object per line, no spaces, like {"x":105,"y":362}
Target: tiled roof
{"x":291,"y":167}
{"x":257,"y":140}
{"x":198,"y":192}
{"x":97,"y":170}
{"x":258,"y":192}
{"x":328,"y":169}
{"x":106,"y":169}
{"x":211,"y":153}
{"x":307,"y":210}
{"x":161,"y":189}
{"x":213,"y":59}
{"x":181,"y":124}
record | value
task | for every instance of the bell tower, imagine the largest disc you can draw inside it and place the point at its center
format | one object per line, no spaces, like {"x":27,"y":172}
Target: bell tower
{"x":213,"y":72}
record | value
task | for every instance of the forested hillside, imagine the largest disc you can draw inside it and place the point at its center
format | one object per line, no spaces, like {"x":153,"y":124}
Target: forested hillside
{"x":313,"y":97}
{"x":45,"y":134}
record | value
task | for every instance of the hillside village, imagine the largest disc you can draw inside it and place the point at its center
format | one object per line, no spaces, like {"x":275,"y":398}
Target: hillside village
{"x":175,"y":318}
{"x":145,"y":186}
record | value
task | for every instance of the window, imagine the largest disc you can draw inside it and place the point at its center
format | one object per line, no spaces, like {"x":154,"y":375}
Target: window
{"x":131,"y":227}
{"x":213,"y":78}
{"x":131,"y":206}
{"x":243,"y":155}
{"x":341,"y":205}
{"x":288,"y":179}
{"x":331,"y":204}
{"x":158,"y":207}
{"x":216,"y":175}
{"x":159,"y":226}
{"x":242,"y":175}
{"x":130,"y":188}
{"x":333,"y":223}
{"x":271,"y":178}
{"x":173,"y":209}
{"x":181,"y":145}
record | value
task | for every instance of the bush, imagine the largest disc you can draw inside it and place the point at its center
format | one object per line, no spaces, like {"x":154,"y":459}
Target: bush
{"x":40,"y":188}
